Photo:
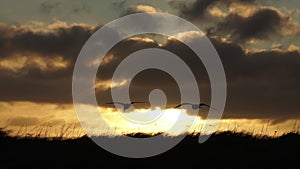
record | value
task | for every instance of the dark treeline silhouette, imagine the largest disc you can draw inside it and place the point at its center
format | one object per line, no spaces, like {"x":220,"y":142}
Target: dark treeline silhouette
{"x":222,"y":150}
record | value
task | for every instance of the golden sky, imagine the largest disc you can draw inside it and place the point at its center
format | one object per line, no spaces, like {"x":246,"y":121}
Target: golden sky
{"x":258,"y":43}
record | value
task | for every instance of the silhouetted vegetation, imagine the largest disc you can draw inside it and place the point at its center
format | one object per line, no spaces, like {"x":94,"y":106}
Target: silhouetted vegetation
{"x":222,"y":150}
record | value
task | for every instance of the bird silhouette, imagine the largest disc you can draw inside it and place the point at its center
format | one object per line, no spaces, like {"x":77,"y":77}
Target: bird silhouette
{"x":194,"y":106}
{"x":125,"y":105}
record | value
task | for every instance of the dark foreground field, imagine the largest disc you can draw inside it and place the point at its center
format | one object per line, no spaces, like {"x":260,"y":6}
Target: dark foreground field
{"x":223,"y":150}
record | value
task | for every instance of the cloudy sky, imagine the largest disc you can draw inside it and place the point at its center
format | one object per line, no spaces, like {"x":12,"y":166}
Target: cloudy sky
{"x":258,"y":42}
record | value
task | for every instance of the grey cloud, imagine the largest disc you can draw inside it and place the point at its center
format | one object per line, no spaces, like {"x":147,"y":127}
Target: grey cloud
{"x":59,"y":41}
{"x":198,"y":9}
{"x":193,"y":10}
{"x":260,"y":84}
{"x":31,"y":82}
{"x":261,"y":25}
{"x":65,"y":41}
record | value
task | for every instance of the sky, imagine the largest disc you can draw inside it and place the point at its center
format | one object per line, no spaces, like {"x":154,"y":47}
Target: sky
{"x":258,"y":42}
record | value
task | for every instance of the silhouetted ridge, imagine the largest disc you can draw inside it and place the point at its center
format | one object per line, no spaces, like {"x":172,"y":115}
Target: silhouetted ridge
{"x":222,"y":150}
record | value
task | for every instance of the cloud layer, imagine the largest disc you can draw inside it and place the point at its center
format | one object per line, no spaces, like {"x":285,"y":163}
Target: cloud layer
{"x":36,"y":63}
{"x":199,"y":9}
{"x":241,"y":20}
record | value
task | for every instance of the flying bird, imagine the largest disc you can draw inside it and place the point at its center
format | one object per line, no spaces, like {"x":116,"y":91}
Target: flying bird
{"x":125,"y":105}
{"x":194,"y":106}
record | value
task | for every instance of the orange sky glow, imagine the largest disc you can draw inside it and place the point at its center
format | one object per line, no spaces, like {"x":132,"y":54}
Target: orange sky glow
{"x":52,"y":120}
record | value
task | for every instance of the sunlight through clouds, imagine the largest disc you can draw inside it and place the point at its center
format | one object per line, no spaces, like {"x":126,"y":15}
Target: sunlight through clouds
{"x":34,"y":118}
{"x":104,"y":85}
{"x":17,"y":63}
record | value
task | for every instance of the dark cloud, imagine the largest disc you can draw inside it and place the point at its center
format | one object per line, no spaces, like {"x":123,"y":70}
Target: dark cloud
{"x":193,"y":10}
{"x":148,"y":80}
{"x":260,"y":22}
{"x":261,"y":25}
{"x":32,"y":82}
{"x":198,"y":9}
{"x":37,"y":87}
{"x":58,"y":41}
{"x":261,"y":84}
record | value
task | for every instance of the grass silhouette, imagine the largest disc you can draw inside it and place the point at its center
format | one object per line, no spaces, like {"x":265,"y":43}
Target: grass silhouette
{"x":222,"y":150}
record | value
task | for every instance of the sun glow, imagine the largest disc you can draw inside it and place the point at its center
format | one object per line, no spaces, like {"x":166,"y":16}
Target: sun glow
{"x":154,"y":121}
{"x":25,"y":118}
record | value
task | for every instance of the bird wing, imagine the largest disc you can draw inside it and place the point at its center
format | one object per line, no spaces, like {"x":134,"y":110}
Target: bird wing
{"x":182,"y":104}
{"x":203,"y":104}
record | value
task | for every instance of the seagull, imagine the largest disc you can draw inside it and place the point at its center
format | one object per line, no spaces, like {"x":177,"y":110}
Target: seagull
{"x":194,"y":106}
{"x":125,"y":105}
